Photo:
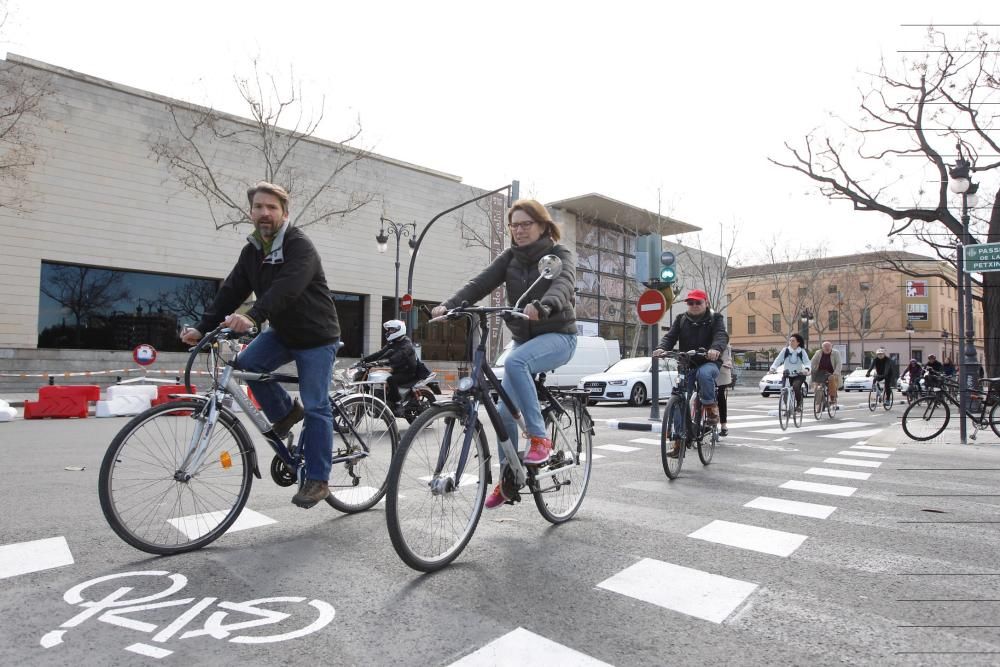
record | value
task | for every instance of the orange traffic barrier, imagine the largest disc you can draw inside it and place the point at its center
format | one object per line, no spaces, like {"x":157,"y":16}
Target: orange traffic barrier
{"x":62,"y":402}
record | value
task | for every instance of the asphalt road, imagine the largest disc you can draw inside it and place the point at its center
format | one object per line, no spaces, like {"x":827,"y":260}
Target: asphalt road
{"x":836,"y":543}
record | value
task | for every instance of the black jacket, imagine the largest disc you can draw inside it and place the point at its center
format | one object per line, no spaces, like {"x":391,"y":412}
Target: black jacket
{"x":401,"y":356}
{"x":517,"y":268}
{"x":886,"y":368}
{"x":290,"y":287}
{"x":708,"y":331}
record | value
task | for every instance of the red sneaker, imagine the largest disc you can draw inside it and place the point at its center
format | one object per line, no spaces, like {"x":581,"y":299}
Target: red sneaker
{"x":539,"y":451}
{"x":495,"y":499}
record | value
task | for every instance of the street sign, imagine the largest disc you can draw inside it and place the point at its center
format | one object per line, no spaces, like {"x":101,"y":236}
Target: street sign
{"x":651,"y":306}
{"x":406,"y":303}
{"x":982,"y":257}
{"x":144,"y":354}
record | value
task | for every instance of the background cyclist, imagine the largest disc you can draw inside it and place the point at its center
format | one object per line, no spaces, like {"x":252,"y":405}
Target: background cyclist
{"x":543,"y":342}
{"x":795,"y":358}
{"x":827,"y":361}
{"x":885,"y":370}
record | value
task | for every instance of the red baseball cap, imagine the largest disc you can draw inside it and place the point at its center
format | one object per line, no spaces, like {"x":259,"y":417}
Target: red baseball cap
{"x":696,"y":294}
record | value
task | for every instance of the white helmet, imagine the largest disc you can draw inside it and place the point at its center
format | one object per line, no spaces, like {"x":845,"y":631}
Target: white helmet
{"x":394,"y":329}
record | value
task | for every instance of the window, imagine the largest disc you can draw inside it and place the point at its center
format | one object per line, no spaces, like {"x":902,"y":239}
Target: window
{"x":729,"y":298}
{"x":775,"y":294}
{"x":865,"y":286}
{"x":729,"y":324}
{"x":803,"y":291}
{"x":831,"y":289}
{"x":834,"y":320}
{"x":85,"y":307}
{"x":866,"y":319}
{"x":751,"y":324}
{"x":751,"y":296}
{"x":776,"y":323}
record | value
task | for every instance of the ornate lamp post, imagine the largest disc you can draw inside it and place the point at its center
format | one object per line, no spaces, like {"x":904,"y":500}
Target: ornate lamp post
{"x":806,"y":319}
{"x":909,"y":341}
{"x":961,"y":184}
{"x":408,"y":229}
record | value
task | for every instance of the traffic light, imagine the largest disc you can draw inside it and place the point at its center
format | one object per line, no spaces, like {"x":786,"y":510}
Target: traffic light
{"x":668,"y":269}
{"x":647,"y":254}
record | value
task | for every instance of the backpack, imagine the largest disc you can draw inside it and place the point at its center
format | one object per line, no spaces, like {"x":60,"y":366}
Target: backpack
{"x":788,"y":354}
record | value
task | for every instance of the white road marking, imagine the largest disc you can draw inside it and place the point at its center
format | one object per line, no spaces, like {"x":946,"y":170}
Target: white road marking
{"x":736,"y":417}
{"x":646,"y":441}
{"x":521,"y":647}
{"x":871,"y":448}
{"x":825,"y":426}
{"x":813,"y":487}
{"x":766,"y":422}
{"x":787,"y":437}
{"x":618,"y":448}
{"x":583,"y":456}
{"x":149,"y":651}
{"x":854,"y":462}
{"x":753,"y":538}
{"x":791,"y":507}
{"x":846,"y":474}
{"x":852,"y":434}
{"x":196,"y":525}
{"x":707,"y":596}
{"x":34,"y":556}
{"x":870,"y":455}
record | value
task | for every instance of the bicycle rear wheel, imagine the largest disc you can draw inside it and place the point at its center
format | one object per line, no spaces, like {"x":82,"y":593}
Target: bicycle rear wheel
{"x":926,"y":418}
{"x":362,"y":423}
{"x":674,"y":412}
{"x":559,"y":497}
{"x":828,"y":403}
{"x":431,"y":518}
{"x":156,"y":513}
{"x":784,"y":408}
{"x":706,"y":450}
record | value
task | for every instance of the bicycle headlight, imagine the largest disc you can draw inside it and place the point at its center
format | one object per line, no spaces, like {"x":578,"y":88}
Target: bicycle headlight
{"x":465,"y":384}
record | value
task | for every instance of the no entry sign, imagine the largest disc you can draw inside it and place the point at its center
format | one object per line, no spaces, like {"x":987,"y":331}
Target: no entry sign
{"x":406,"y":303}
{"x":651,"y":306}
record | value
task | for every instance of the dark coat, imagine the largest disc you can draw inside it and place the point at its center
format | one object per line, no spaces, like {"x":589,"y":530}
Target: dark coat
{"x":401,"y":356}
{"x":708,"y":331}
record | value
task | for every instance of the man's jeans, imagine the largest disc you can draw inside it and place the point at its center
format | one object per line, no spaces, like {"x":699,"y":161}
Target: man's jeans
{"x":315,"y":367}
{"x":541,"y":353}
{"x":707,"y":374}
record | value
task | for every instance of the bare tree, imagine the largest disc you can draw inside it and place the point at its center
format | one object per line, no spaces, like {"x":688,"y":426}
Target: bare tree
{"x":916,"y":123}
{"x":84,"y":291}
{"x":706,"y":270}
{"x":789,"y":277}
{"x":868,"y":304}
{"x":192,"y":153}
{"x":190,"y":301}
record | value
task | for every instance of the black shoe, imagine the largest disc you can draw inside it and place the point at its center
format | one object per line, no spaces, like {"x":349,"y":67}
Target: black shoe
{"x":285,"y":424}
{"x":311,"y":493}
{"x":723,"y":431}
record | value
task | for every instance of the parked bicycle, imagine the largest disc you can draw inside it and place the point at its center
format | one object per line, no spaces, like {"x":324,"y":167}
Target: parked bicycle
{"x":821,"y":397}
{"x":684,"y":416}
{"x":790,"y":403}
{"x":928,"y":416}
{"x":177,"y":476}
{"x":880,"y":394}
{"x":441,"y":472}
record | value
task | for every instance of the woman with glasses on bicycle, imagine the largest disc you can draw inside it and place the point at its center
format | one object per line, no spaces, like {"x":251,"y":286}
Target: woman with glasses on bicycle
{"x":544,"y":341}
{"x":795,"y":358}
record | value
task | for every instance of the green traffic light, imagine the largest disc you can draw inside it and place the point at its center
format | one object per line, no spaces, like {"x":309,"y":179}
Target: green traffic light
{"x":668,"y":274}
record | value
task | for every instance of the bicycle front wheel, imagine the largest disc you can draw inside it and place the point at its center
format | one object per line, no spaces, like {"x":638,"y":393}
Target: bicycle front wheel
{"x":887,"y":399}
{"x":828,"y":404}
{"x":431,"y":517}
{"x":559,"y":496}
{"x":797,"y":409}
{"x":362,"y":424}
{"x":926,"y":418}
{"x":873,"y":397}
{"x":784,"y":408}
{"x":673,"y":414}
{"x":995,"y":419}
{"x":818,"y":403}
{"x":141,"y":496}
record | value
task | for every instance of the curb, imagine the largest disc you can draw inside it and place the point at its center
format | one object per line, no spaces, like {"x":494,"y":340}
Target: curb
{"x":654,"y":427}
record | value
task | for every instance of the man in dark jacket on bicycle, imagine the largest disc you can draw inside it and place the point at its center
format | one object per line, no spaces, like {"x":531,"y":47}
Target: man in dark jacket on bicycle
{"x":699,"y":327}
{"x":281,"y":267}
{"x":401,"y":356}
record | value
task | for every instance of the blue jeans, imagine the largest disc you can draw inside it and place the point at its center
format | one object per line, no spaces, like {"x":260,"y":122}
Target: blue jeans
{"x":707,"y":394}
{"x":315,"y":368}
{"x":541,"y":353}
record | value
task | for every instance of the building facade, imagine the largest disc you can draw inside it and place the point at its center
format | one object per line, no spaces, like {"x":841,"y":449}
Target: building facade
{"x":857,"y":302}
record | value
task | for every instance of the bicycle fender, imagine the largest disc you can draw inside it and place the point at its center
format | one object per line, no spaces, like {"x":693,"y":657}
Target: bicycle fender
{"x":252,"y":451}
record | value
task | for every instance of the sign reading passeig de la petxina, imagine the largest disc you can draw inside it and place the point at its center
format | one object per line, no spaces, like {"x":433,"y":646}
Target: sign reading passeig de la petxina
{"x":982,"y":257}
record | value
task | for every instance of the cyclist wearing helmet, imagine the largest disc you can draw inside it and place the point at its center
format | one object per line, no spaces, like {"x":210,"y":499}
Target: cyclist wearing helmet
{"x":543,"y":342}
{"x":885,"y":369}
{"x":401,"y":356}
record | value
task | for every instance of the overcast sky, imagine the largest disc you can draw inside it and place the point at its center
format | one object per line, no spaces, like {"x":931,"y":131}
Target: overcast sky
{"x":658,"y":104}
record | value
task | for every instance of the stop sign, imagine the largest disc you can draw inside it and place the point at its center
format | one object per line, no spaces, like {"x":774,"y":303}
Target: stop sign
{"x":651,"y":306}
{"x":406,"y":303}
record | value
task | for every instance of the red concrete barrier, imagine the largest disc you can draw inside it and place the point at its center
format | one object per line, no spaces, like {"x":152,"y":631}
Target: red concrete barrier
{"x":62,"y":402}
{"x":164,"y":390}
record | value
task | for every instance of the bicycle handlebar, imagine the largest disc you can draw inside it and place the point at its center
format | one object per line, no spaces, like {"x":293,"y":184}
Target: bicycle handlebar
{"x":218,"y":333}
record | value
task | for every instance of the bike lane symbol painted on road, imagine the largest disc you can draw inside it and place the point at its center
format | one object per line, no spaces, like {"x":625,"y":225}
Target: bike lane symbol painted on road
{"x":118,"y":610}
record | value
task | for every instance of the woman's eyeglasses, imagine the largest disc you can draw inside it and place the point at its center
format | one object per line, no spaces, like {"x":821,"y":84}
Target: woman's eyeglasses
{"x":514,"y":226}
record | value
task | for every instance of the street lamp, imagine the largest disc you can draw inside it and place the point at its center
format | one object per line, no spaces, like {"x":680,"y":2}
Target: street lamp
{"x":807,"y":319}
{"x":961,"y":184}
{"x":409,"y":230}
{"x":909,"y":341}
{"x":944,"y":345}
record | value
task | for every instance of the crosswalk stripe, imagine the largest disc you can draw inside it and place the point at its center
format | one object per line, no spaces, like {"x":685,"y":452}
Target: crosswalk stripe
{"x":522,"y":647}
{"x":813,"y":487}
{"x":710,"y":597}
{"x":846,"y":474}
{"x":618,"y":448}
{"x":853,"y":434}
{"x":825,"y":426}
{"x":853,"y":462}
{"x":870,"y":455}
{"x":791,"y":507}
{"x":872,"y":448}
{"x":767,"y":422}
{"x":753,"y":538}
{"x":646,"y":441}
{"x":196,"y":525}
{"x":34,"y":556}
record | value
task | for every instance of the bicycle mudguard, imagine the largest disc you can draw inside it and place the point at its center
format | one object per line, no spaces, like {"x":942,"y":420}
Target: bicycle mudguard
{"x":224,"y":410}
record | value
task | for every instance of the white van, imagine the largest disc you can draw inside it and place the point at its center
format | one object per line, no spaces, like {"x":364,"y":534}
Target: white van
{"x":593,"y":355}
